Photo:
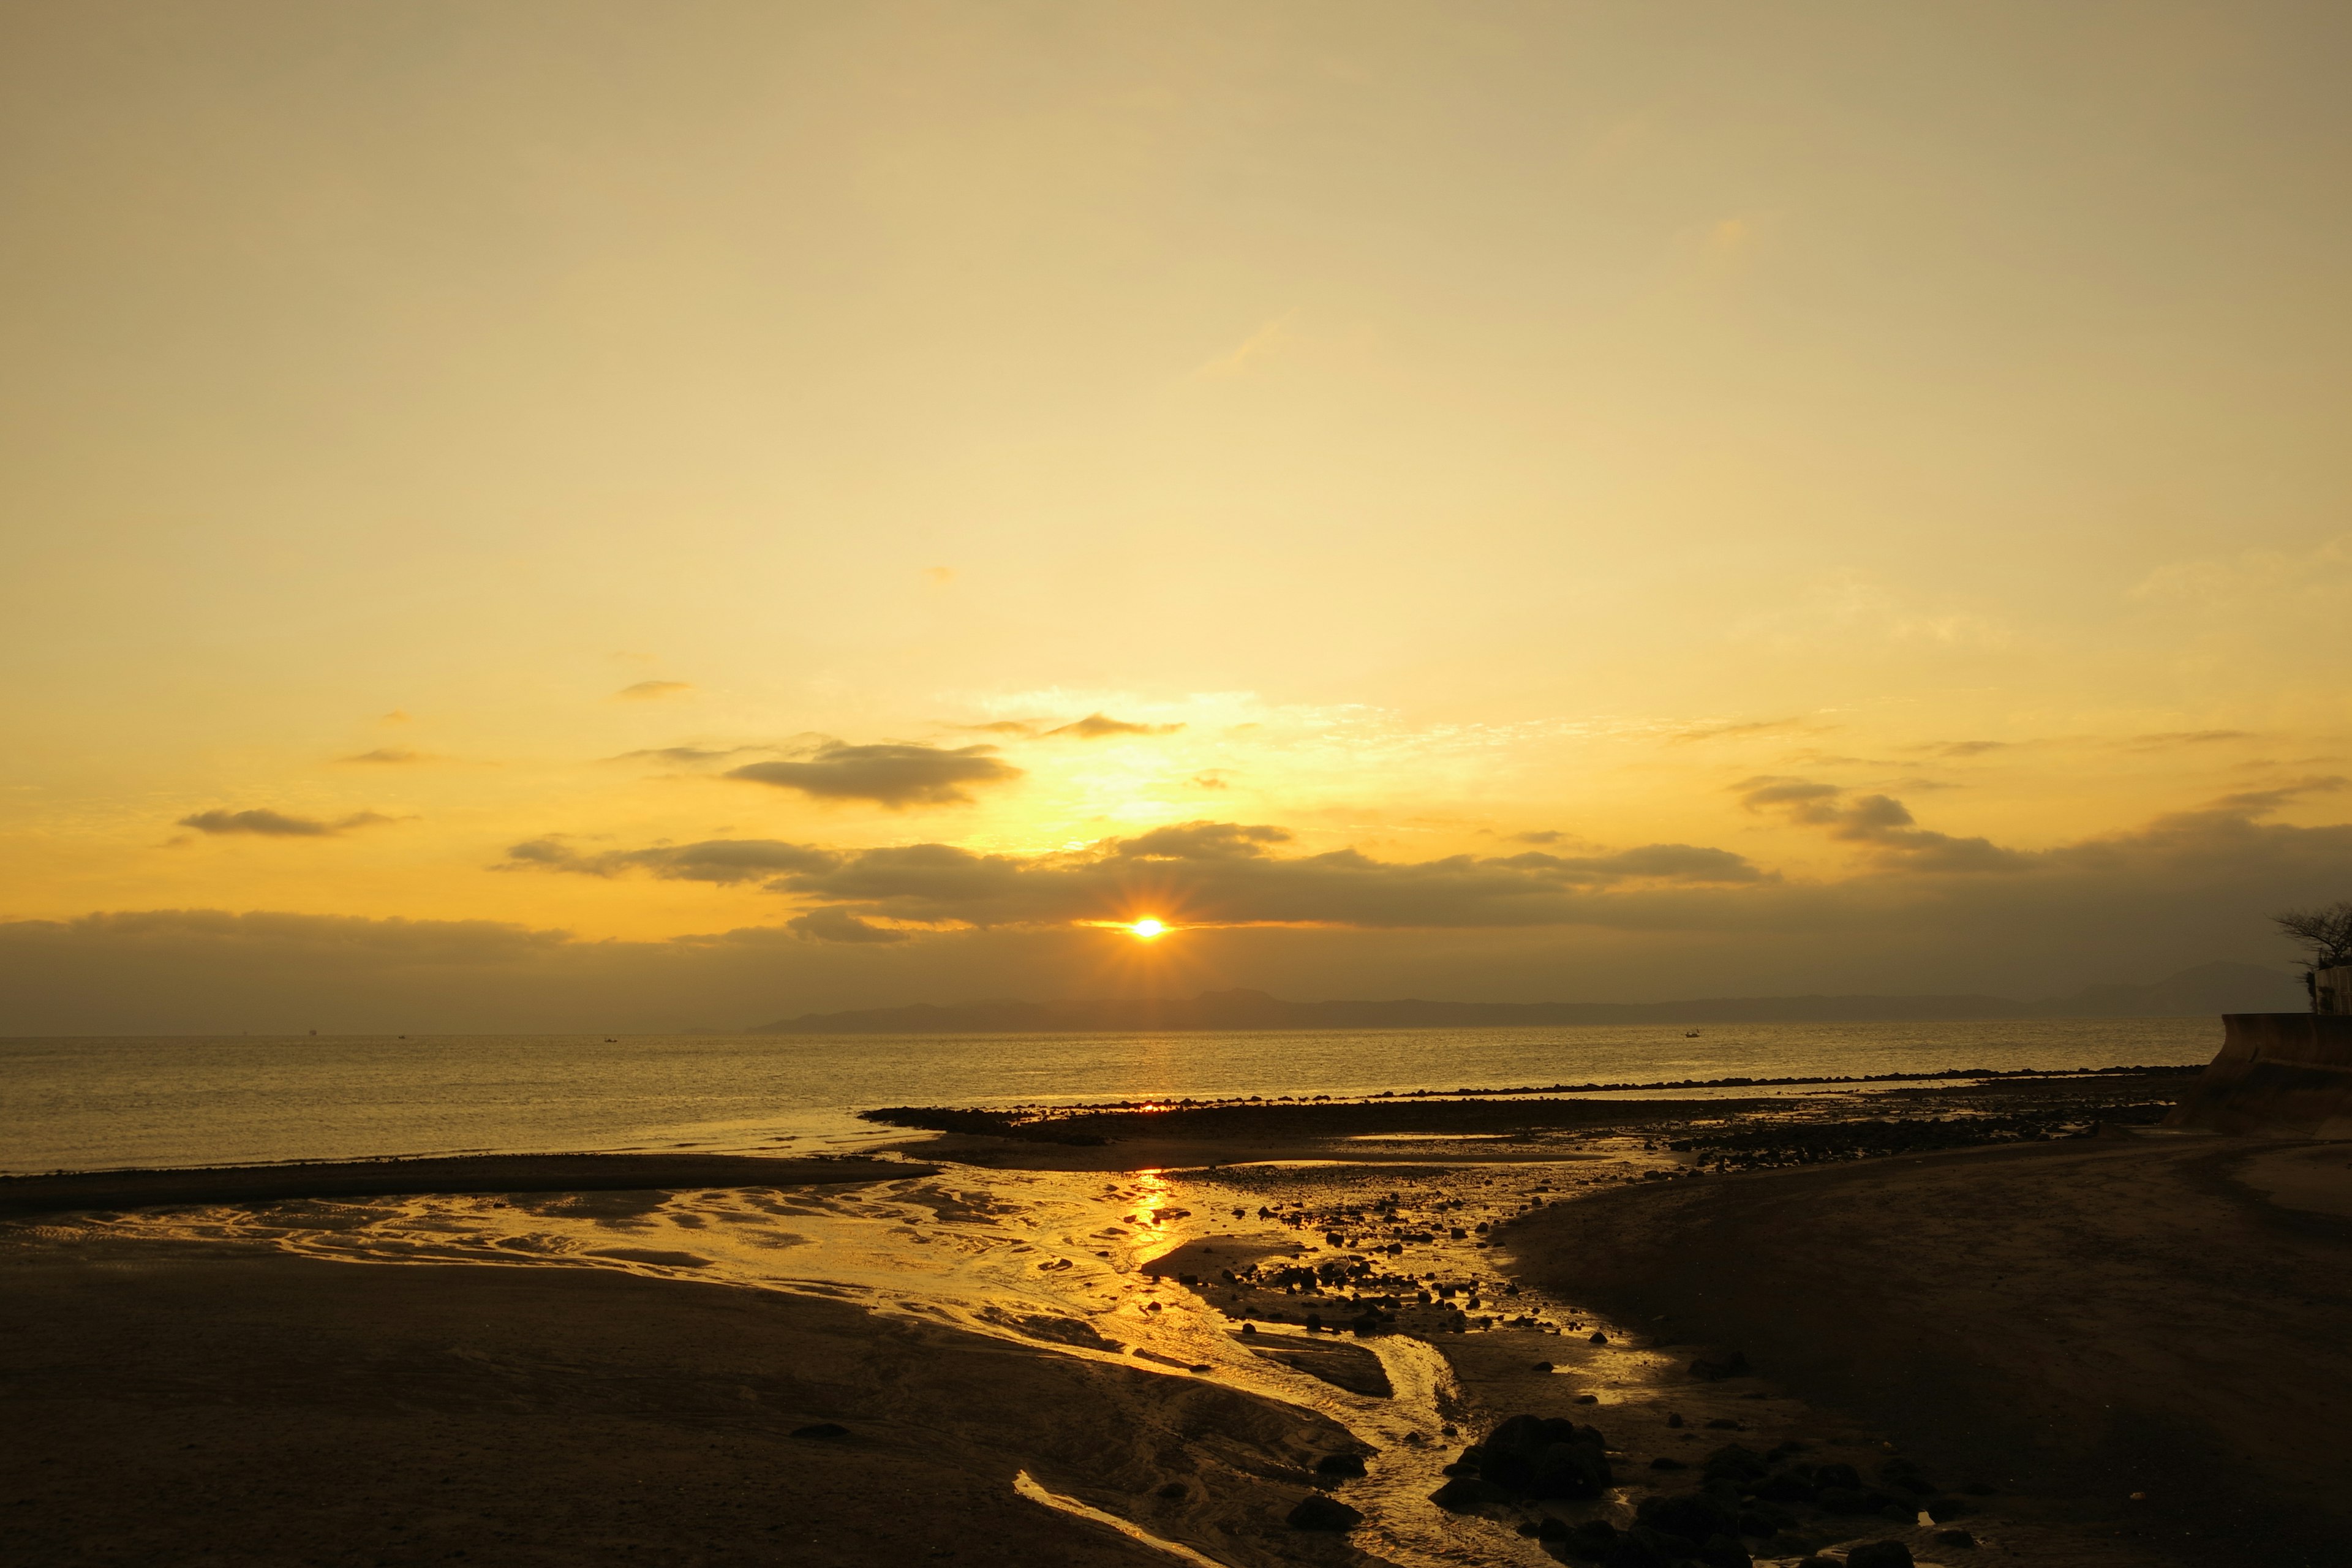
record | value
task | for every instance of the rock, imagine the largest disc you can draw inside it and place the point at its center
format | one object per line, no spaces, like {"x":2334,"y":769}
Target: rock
{"x":1527,"y":1528}
{"x":1837,"y":1475}
{"x":1736,"y":1462}
{"x":1464,"y":1493}
{"x":1674,"y":1420}
{"x":1878,"y":1554}
{"x":1321,"y":1512}
{"x":1599,"y":1338}
{"x":1785,"y":1488}
{"x":1694,"y":1516}
{"x":1902,"y":1474}
{"x":1664,"y":1463}
{"x":1543,"y":1366}
{"x":827,"y":1431}
{"x":1249,"y":1328}
{"x":1339,"y":1465}
{"x":1723,"y":1552}
{"x":1763,"y":1521}
{"x":1716,"y":1369}
{"x":1953,"y":1538}
{"x":1173,"y":1491}
{"x":1849,"y":1500}
{"x":1588,"y":1399}
{"x":1725,"y":1424}
{"x":1550,"y":1529}
{"x":1785,"y":1544}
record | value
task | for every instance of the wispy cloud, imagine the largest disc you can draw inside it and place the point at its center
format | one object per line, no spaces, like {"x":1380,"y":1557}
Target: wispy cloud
{"x":266,"y":824}
{"x":1102,"y":726}
{"x":891,"y":774}
{"x":390,"y":756}
{"x":651,"y":690}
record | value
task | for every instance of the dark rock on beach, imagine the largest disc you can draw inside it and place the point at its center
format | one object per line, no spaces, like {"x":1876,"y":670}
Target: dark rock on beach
{"x":1879,"y":1554}
{"x":1321,"y":1512}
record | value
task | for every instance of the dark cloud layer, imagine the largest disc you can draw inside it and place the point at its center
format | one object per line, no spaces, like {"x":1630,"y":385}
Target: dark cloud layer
{"x":720,"y":860}
{"x":893,"y":775}
{"x":268,"y":824}
{"x":1222,"y":872}
{"x":1879,"y":822}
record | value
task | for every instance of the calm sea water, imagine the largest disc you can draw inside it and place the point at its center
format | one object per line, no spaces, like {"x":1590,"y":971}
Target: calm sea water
{"x":92,"y":1103}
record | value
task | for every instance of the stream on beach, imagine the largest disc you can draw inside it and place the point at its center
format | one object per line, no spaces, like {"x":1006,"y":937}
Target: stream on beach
{"x":1055,"y":1260}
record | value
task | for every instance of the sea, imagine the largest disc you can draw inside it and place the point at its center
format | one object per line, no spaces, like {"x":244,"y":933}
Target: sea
{"x":101,"y":1103}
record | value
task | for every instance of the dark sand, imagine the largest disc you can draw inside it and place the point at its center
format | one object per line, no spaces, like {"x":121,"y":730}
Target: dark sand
{"x":2072,"y":1322}
{"x":85,"y":1190}
{"x":176,"y":1404}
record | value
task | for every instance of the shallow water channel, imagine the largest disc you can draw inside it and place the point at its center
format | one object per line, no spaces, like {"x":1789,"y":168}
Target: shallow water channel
{"x":1052,"y":1260}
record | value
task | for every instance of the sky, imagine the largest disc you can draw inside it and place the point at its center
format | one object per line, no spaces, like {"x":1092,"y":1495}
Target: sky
{"x":600,"y":516}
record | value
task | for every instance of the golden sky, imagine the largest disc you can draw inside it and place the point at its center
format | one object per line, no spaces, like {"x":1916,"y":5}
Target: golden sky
{"x":1598,"y":501}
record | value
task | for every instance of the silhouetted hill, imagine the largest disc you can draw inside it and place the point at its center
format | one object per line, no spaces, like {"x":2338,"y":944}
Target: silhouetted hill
{"x":2208,"y":988}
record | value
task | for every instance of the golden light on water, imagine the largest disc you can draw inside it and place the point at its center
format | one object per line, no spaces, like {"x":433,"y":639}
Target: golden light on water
{"x":1149,"y":929}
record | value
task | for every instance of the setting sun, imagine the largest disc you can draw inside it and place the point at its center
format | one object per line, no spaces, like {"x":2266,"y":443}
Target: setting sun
{"x":1148,"y":929}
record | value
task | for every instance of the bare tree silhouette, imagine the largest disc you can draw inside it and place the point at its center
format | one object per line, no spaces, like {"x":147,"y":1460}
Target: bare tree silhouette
{"x":2324,"y":935}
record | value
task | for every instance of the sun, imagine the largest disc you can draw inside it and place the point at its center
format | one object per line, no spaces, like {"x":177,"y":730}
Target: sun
{"x":1148,"y":929}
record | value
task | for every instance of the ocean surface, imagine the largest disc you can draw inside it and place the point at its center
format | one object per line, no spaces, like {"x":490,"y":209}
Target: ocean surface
{"x":95,"y":1103}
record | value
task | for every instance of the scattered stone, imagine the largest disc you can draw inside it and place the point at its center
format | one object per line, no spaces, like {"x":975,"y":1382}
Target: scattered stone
{"x":1339,"y":1465}
{"x":1694,"y":1516}
{"x":826,"y":1430}
{"x":1878,"y":1554}
{"x":1599,"y":1338}
{"x":1319,"y":1512}
{"x":1953,"y":1538}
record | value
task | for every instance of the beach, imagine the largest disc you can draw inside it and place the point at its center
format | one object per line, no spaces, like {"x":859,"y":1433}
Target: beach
{"x":1185,"y":1325}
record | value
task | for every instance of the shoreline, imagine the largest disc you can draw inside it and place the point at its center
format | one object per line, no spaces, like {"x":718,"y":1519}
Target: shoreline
{"x":396,"y":1175}
{"x":1503,"y":1251}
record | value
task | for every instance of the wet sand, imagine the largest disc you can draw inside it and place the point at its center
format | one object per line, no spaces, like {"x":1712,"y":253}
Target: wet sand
{"x":227,"y":1402}
{"x":2072,"y":1323}
{"x":86,"y":1189}
{"x":203,"y":1404}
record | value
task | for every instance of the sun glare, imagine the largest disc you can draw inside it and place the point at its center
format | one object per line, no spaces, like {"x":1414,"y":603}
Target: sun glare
{"x":1148,"y":928}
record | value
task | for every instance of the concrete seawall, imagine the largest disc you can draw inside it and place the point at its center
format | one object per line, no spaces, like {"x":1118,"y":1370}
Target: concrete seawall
{"x":2277,"y":1072}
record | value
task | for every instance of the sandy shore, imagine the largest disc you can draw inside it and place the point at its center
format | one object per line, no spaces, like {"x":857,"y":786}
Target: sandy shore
{"x":83,"y":1190}
{"x":202,"y":1405}
{"x":2073,"y":1323}
{"x":2045,"y":1325}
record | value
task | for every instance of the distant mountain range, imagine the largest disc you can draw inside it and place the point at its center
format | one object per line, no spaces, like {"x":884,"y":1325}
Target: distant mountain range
{"x":2208,"y":988}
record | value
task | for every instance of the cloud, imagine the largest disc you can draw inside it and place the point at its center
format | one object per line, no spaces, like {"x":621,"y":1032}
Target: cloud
{"x":890,"y":774}
{"x":270,"y":824}
{"x":1207,"y":781}
{"x":685,"y":756}
{"x":724,"y":861}
{"x":1539,"y":836}
{"x":834,"y":924}
{"x":1880,"y":823}
{"x":2186,"y":737}
{"x":1003,"y":727}
{"x":1099,"y":726}
{"x":390,"y":755}
{"x":1717,"y":732}
{"x":1207,"y":872}
{"x":1959,"y":748}
{"x":649,"y":691}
